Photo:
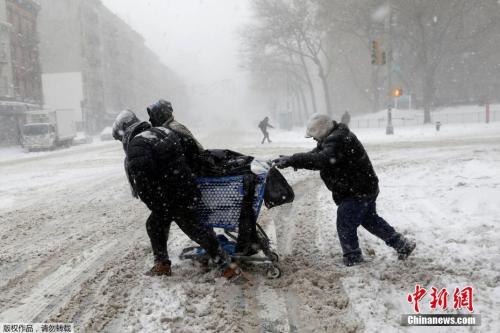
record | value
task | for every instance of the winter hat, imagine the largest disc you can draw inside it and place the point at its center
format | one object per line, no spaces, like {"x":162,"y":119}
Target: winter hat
{"x":319,"y":126}
{"x":160,"y":112}
{"x":124,"y":120}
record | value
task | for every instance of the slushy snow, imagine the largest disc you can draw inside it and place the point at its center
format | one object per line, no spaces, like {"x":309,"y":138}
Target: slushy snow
{"x":74,"y":245}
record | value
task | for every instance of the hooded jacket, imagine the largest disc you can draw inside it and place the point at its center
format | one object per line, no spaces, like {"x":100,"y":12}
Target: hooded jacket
{"x":192,"y":148}
{"x":344,"y":165}
{"x":157,"y":167}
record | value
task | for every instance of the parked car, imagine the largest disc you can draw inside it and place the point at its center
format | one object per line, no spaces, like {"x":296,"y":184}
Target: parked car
{"x":107,"y":134}
{"x":82,"y":138}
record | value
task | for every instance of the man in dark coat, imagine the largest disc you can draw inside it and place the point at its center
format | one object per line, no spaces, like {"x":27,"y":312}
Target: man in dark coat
{"x":161,"y":114}
{"x":348,"y":173}
{"x":159,"y":174}
{"x":199,"y":160}
{"x":263,"y":125}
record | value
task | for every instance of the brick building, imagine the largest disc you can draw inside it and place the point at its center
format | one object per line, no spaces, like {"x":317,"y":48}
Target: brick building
{"x":20,"y":72}
{"x":95,"y":63}
{"x":27,"y":82}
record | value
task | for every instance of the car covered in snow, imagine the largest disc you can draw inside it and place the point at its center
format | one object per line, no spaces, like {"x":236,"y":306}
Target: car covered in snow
{"x":107,"y":134}
{"x":82,"y":138}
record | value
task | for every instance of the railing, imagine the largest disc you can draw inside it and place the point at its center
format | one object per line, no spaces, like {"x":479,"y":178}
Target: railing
{"x":416,"y":120}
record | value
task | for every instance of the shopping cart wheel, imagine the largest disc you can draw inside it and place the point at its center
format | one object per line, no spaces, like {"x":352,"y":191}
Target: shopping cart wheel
{"x":273,"y":256}
{"x":273,"y":272}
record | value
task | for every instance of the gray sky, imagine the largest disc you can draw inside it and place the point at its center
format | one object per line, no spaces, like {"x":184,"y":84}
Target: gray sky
{"x":197,"y":39}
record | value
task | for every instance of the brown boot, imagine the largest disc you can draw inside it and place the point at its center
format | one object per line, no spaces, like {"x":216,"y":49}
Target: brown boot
{"x":160,"y":268}
{"x":231,"y":271}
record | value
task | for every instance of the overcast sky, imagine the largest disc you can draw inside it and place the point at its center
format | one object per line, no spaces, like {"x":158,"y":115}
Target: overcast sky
{"x":196,"y":38}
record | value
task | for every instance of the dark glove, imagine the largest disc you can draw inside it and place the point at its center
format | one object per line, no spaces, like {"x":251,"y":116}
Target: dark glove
{"x":283,"y":162}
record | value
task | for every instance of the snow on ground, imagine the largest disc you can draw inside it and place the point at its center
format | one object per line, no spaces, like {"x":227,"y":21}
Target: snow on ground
{"x":74,"y":245}
{"x":8,"y":154}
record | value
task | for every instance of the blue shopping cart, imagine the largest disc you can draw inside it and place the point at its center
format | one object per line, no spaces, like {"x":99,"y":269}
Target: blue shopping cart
{"x":220,"y":207}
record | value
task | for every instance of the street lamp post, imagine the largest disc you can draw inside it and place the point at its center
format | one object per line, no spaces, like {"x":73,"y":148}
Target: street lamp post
{"x":389,"y":129}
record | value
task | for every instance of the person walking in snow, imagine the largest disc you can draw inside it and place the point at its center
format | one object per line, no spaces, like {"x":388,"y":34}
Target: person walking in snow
{"x":348,"y":173}
{"x":161,"y":114}
{"x":346,"y":118}
{"x":160,"y":176}
{"x":263,"y":125}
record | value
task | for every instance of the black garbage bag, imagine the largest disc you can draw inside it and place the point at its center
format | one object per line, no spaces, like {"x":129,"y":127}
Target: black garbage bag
{"x":277,"y":191}
{"x":224,"y":162}
{"x":247,"y":226}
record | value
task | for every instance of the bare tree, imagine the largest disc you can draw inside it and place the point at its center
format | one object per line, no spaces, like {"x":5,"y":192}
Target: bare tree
{"x":438,"y":31}
{"x":349,"y":21}
{"x":277,"y":70}
{"x":292,"y":26}
{"x":431,"y":45}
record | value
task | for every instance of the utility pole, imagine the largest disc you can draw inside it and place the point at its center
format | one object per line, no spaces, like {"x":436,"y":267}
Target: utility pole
{"x":389,"y":129}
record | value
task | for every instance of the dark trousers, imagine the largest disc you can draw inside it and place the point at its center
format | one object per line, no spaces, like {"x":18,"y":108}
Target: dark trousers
{"x":158,"y":227}
{"x":266,"y":136}
{"x":352,"y":213}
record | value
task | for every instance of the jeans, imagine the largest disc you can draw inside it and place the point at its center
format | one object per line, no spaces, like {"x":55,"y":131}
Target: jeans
{"x":352,"y":213}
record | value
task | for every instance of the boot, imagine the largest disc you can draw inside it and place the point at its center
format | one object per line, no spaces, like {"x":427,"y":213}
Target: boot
{"x":353,"y":259}
{"x":405,"y":248}
{"x":160,"y":268}
{"x":248,"y":247}
{"x":402,"y":245}
{"x":230,"y":271}
{"x":247,"y":250}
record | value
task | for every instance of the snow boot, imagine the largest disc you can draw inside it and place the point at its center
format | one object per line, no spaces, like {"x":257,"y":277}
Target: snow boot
{"x":405,"y":248}
{"x":353,"y":259}
{"x":160,"y":268}
{"x":227,"y":269}
{"x":248,"y":250}
{"x":230,"y":271}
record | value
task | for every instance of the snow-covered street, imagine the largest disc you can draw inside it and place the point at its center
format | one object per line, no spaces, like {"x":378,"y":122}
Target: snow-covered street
{"x":73,"y":245}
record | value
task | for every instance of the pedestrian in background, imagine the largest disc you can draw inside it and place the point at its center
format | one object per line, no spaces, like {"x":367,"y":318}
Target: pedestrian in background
{"x":346,"y":118}
{"x":263,"y":125}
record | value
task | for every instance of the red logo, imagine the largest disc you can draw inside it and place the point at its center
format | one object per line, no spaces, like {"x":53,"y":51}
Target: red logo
{"x":416,"y":297}
{"x":462,"y":298}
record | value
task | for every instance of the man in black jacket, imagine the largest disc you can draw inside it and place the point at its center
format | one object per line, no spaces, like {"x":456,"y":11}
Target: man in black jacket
{"x":348,"y":173}
{"x":200,"y":161}
{"x":161,"y":114}
{"x":159,"y":174}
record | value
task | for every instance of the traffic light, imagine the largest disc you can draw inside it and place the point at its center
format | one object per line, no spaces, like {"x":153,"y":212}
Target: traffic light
{"x":376,"y":53}
{"x":397,"y":92}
